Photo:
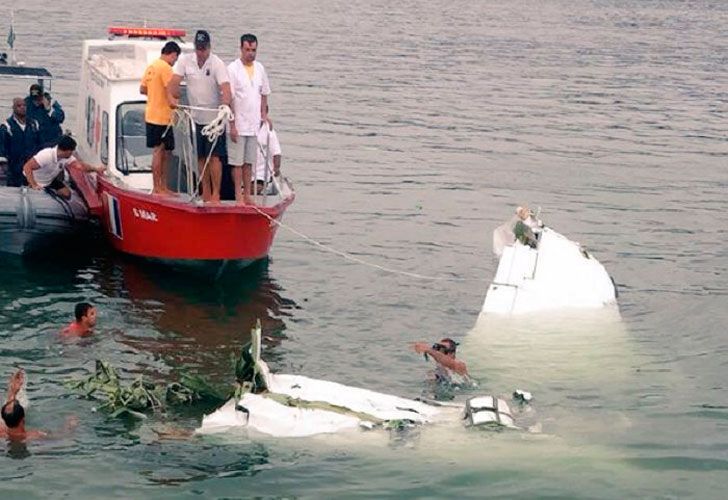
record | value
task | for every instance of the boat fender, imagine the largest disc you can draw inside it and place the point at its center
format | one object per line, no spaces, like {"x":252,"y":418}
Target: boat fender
{"x":487,"y":411}
{"x":26,"y":212}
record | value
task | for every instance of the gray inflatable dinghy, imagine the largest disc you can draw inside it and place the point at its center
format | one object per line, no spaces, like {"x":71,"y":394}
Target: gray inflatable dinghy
{"x":35,"y":221}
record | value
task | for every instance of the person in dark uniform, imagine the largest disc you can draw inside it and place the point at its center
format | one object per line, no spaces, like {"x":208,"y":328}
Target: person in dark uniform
{"x":19,"y":140}
{"x":48,"y":113}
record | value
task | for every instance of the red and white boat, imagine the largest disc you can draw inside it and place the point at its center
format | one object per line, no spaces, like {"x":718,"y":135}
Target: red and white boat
{"x":178,"y":230}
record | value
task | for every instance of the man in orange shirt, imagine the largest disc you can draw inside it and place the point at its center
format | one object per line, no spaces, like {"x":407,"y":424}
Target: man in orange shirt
{"x":158,"y":114}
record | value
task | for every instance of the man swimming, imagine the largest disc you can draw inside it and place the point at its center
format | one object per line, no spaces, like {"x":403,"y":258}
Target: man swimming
{"x":12,"y":426}
{"x":449,"y":371}
{"x":85,"y":315}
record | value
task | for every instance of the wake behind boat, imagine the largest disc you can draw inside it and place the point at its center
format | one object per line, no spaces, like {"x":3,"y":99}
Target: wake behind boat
{"x":179,"y":229}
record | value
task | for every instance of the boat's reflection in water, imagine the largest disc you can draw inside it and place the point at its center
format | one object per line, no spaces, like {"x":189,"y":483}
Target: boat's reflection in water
{"x":192,"y":322}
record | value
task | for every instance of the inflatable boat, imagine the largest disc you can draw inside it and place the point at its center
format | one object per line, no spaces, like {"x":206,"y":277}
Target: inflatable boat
{"x":36,"y":221}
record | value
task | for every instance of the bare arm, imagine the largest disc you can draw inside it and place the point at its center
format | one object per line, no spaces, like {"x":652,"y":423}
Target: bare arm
{"x":277,"y":165}
{"x":173,"y":90}
{"x":453,"y":364}
{"x":227,"y":95}
{"x":28,"y":168}
{"x":89,"y":168}
{"x":264,"y":108}
{"x":15,"y":384}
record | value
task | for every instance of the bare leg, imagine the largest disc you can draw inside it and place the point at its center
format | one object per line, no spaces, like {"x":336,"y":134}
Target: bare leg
{"x":247,"y":181}
{"x":157,"y":161}
{"x":204,"y":178}
{"x":237,"y":183}
{"x":64,"y":192}
{"x":163,"y":186}
{"x":214,"y":169}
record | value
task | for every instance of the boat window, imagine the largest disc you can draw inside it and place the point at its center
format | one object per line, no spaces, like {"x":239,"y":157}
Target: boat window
{"x":90,"y":107}
{"x":132,"y":153}
{"x":104,"y":138}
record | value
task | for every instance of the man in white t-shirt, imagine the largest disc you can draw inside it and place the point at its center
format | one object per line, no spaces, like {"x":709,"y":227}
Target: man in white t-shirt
{"x":250,"y":88}
{"x":46,"y":169}
{"x":208,"y":86}
{"x":268,"y":148}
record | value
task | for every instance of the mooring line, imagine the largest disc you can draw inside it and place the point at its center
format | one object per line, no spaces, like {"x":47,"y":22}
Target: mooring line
{"x":358,"y":260}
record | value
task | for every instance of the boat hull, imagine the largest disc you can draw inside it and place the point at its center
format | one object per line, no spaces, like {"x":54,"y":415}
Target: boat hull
{"x":178,"y":232}
{"x":32,"y":222}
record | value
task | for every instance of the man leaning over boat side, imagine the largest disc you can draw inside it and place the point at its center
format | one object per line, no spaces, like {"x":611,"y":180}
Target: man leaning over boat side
{"x":19,"y":140}
{"x":250,"y":88}
{"x":208,"y":86}
{"x":47,"y":112}
{"x":47,"y":168}
{"x":158,"y":114}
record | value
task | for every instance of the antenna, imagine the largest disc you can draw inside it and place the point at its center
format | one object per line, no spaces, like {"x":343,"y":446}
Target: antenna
{"x":11,"y":39}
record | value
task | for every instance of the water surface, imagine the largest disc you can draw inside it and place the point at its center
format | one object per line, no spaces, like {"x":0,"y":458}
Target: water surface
{"x":411,"y":130}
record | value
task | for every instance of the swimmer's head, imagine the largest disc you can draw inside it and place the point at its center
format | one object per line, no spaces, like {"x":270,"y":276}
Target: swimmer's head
{"x":13,"y":414}
{"x":85,"y":313}
{"x":446,"y":346}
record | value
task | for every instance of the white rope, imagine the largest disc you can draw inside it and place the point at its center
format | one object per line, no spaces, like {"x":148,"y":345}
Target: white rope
{"x":216,"y":128}
{"x":357,"y":259}
{"x":213,"y":130}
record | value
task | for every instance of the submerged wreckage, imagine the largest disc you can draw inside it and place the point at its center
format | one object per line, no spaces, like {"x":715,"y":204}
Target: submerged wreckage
{"x":542,"y":270}
{"x":296,"y":406}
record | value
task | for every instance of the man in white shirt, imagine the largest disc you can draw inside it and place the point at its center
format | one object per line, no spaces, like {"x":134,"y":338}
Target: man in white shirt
{"x":46,"y":169}
{"x":250,"y":88}
{"x":268,"y":149}
{"x":208,"y":86}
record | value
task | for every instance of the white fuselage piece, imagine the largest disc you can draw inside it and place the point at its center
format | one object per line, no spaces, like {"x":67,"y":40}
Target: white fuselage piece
{"x":558,"y":274}
{"x":323,"y":407}
{"x":266,"y":414}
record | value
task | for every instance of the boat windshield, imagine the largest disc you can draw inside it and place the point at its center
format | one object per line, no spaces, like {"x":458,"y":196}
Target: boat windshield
{"x":132,"y":153}
{"x":134,"y":157}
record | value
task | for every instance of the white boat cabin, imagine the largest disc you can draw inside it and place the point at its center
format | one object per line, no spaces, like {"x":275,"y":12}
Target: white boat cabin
{"x":111,"y":128}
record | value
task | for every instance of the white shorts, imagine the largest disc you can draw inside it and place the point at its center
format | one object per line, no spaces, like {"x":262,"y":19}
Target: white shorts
{"x":243,"y":151}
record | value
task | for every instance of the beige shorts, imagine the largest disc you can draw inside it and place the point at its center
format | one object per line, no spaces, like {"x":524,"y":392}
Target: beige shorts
{"x":243,"y":151}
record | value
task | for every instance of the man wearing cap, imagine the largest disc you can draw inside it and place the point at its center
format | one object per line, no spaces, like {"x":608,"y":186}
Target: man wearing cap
{"x":158,"y":114}
{"x":208,"y":86}
{"x":250,"y":88}
{"x":19,"y":140}
{"x":47,"y":112}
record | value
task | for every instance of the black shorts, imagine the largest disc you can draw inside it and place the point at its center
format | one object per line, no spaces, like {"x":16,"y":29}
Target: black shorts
{"x":204,"y":145}
{"x":57,"y":183}
{"x":156,"y":136}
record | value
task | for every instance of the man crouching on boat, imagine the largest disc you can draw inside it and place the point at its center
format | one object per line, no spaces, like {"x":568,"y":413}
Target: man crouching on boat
{"x":47,"y":168}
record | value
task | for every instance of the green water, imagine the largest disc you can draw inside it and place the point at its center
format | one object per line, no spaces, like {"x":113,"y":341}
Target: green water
{"x":411,"y":131}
